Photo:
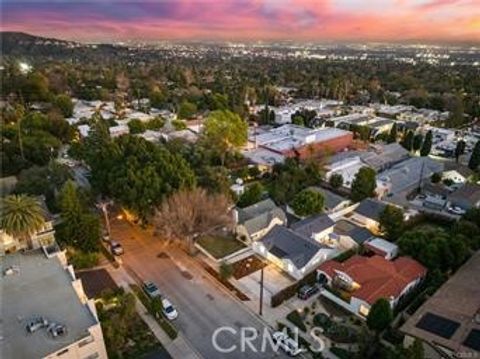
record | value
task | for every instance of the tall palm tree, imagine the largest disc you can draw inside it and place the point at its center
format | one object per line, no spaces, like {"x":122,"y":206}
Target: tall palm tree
{"x":21,"y":216}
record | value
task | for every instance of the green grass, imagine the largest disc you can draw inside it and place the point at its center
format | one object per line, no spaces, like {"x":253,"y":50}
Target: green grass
{"x":220,"y":247}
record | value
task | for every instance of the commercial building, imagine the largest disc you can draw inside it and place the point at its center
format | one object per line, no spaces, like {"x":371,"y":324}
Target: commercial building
{"x":45,"y":312}
{"x":291,"y":140}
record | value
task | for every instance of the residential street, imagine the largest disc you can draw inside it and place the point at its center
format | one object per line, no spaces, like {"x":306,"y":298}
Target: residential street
{"x":203,"y":306}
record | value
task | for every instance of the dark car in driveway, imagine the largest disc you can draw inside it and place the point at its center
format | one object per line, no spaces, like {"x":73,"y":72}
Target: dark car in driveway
{"x":307,"y":291}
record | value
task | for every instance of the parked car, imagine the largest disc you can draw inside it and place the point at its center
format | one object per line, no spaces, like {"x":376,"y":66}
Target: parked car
{"x":151,"y":289}
{"x":456,"y":210}
{"x":287,"y":344}
{"x":116,"y":248}
{"x":105,"y":236}
{"x":307,"y":291}
{"x":168,"y":309}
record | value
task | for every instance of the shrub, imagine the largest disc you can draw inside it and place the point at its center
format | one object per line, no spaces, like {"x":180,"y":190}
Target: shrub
{"x":179,"y":125}
{"x":82,"y":260}
{"x":297,"y":320}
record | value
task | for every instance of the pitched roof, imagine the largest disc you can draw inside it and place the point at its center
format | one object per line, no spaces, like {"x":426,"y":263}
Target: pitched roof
{"x":332,"y":200}
{"x":314,"y":224}
{"x":284,"y":243}
{"x":377,"y":277}
{"x":371,"y":208}
{"x":357,"y":233}
{"x":469,"y":193}
{"x":255,"y":209}
{"x":259,"y":215}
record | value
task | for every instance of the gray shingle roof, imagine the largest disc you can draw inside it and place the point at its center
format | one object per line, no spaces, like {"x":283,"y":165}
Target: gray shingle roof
{"x":313,"y":224}
{"x":259,"y":215}
{"x":332,"y":200}
{"x":286,"y":244}
{"x":371,"y":208}
{"x":357,"y":233}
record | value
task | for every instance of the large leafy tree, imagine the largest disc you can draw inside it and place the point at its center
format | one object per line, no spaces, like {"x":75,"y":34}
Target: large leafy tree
{"x":252,"y":194}
{"x":435,"y":248}
{"x":336,"y":180}
{"x":380,"y":315}
{"x":79,"y":227}
{"x":224,"y":131}
{"x":188,"y":214}
{"x":137,"y":173}
{"x":364,"y":184}
{"x":474,"y":161}
{"x":427,"y":144}
{"x":21,"y":216}
{"x":391,"y":222}
{"x":308,"y":202}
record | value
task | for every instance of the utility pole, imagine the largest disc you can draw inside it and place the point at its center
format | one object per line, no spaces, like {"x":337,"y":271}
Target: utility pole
{"x":260,"y":309}
{"x":103,"y":205}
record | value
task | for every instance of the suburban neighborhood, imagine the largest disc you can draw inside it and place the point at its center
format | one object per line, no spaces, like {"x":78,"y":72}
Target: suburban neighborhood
{"x":238,"y":200}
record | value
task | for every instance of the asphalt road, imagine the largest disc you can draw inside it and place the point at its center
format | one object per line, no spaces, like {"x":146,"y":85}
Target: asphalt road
{"x":203,"y":305}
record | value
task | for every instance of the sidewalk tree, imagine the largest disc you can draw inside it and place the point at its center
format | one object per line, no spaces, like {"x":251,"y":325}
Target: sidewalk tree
{"x":391,"y":222}
{"x":224,"y":131}
{"x":307,"y":203}
{"x":364,"y":184}
{"x":474,"y":161}
{"x":21,"y":216}
{"x":190,"y":213}
{"x":380,"y":316}
{"x":427,"y":144}
{"x":336,"y":180}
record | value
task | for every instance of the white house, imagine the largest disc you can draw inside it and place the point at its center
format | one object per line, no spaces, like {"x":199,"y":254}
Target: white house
{"x":292,"y":252}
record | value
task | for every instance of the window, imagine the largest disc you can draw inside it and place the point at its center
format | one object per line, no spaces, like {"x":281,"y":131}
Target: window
{"x":93,"y":356}
{"x":85,"y":342}
{"x":64,"y":351}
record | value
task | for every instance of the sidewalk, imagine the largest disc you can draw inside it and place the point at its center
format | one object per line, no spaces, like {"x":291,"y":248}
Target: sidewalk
{"x":179,"y":348}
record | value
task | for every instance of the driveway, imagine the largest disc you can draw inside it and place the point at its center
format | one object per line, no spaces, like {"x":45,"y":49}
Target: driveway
{"x":203,"y":305}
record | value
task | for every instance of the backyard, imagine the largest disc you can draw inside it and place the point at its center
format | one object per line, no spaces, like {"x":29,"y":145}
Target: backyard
{"x":125,"y":333}
{"x":220,"y":246}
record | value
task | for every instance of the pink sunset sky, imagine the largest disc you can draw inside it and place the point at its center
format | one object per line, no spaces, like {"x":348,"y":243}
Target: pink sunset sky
{"x":237,"y":20}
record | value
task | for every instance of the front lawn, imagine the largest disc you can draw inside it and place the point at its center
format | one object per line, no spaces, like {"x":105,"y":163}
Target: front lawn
{"x":219,"y":246}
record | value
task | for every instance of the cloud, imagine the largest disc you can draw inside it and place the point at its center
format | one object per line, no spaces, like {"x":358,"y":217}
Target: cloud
{"x":449,"y":20}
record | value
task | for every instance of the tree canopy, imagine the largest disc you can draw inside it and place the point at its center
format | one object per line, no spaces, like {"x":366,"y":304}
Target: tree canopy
{"x":391,"y":222}
{"x":364,"y":184}
{"x":308,"y":202}
{"x":380,"y":315}
{"x":427,"y":144}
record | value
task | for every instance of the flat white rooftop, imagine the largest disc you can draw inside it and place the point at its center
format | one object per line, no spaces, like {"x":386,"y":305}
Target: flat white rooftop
{"x":39,"y":287}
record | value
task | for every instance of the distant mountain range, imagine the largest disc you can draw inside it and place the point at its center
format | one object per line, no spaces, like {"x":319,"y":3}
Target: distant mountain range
{"x":20,"y":44}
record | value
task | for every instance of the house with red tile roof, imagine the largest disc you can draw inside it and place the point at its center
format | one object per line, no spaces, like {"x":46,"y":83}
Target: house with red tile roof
{"x":358,"y":282}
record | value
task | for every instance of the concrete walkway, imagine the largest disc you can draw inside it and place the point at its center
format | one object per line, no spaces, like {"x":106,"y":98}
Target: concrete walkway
{"x":177,"y":348}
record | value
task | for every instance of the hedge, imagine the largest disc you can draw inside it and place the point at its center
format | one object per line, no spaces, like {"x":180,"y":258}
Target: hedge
{"x":297,"y":320}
